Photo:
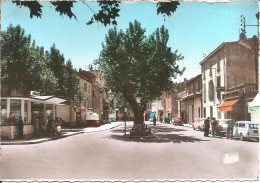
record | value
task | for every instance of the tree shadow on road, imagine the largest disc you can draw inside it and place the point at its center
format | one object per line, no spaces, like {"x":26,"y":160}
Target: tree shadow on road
{"x":156,"y":129}
{"x":157,"y":138}
{"x":160,"y":134}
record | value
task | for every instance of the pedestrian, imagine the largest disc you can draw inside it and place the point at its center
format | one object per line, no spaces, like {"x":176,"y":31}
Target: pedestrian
{"x":207,"y":126}
{"x":214,"y":123}
{"x":36,"y":127}
{"x":154,"y":121}
{"x":231,"y":124}
{"x":49,"y":125}
{"x":21,"y":126}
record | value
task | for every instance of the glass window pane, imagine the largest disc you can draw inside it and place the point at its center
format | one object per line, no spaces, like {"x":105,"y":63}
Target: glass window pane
{"x":3,"y":111}
{"x":15,"y":107}
{"x":26,"y":112}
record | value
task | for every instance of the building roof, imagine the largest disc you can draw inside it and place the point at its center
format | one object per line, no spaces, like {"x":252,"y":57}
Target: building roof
{"x":87,"y":75}
{"x":246,"y":43}
{"x":192,"y":79}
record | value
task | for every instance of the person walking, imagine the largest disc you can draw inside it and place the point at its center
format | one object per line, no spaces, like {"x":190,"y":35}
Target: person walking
{"x":207,"y":126}
{"x":231,"y":124}
{"x":214,"y":126}
{"x":154,"y":121}
{"x":21,"y":126}
{"x":49,"y":125}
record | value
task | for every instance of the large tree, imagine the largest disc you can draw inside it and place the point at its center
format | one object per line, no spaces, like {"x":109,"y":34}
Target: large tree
{"x":24,"y":66}
{"x":109,"y":10}
{"x":134,"y":65}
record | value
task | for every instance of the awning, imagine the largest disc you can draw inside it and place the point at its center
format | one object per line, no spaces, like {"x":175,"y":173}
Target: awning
{"x":152,"y":114}
{"x":255,"y":105}
{"x":49,"y":99}
{"x":227,"y":105}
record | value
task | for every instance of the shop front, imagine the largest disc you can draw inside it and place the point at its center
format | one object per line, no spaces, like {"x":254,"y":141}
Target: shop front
{"x":254,"y":108}
{"x":29,"y":109}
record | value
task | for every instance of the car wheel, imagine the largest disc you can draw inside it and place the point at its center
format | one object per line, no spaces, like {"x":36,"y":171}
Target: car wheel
{"x":199,"y":128}
{"x":241,"y":137}
{"x":193,"y":128}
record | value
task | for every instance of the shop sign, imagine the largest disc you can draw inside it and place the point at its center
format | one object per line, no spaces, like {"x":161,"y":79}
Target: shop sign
{"x":253,"y":109}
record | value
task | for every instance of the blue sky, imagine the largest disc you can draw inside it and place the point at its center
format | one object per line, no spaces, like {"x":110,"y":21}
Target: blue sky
{"x":195,"y":28}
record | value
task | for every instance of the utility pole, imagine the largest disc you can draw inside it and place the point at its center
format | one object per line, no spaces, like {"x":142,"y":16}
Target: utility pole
{"x":242,"y":35}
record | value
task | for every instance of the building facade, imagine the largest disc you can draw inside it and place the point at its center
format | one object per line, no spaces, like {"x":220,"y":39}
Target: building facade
{"x":229,"y":65}
{"x":181,"y":103}
{"x":193,"y":99}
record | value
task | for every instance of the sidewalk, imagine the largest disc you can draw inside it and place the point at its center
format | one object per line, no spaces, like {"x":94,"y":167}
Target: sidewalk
{"x":65,"y":133}
{"x":187,"y":125}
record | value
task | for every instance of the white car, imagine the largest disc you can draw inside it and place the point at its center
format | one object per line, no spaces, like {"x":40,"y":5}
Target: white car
{"x":246,"y":130}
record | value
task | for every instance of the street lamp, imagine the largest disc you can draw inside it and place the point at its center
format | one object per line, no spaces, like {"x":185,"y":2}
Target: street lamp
{"x":125,"y":110}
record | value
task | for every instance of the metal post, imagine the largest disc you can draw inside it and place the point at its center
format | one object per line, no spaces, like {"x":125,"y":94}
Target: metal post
{"x":125,"y":124}
{"x":125,"y":119}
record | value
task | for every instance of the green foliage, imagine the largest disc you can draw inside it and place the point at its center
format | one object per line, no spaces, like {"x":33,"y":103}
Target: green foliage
{"x":34,"y":6}
{"x":27,"y":67}
{"x":64,"y":7}
{"x":56,"y":62}
{"x":135,"y":65}
{"x":108,"y":13}
{"x":109,"y":10}
{"x":167,"y":7}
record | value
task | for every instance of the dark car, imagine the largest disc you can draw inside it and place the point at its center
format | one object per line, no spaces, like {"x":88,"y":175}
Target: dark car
{"x":177,"y":121}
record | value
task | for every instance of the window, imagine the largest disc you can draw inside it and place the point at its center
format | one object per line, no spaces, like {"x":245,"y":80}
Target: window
{"x":15,"y":107}
{"x":204,"y":112}
{"x":3,"y":119}
{"x":218,"y":63}
{"x":88,"y":88}
{"x":253,"y":126}
{"x":48,"y":110}
{"x":211,"y":90}
{"x":210,"y":70}
{"x":85,"y":87}
{"x":204,"y":71}
{"x":26,"y":112}
{"x":204,"y":94}
{"x":218,"y":81}
{"x":219,"y":115}
{"x":219,"y":85}
{"x":199,"y":112}
{"x":211,"y":112}
{"x":242,"y":125}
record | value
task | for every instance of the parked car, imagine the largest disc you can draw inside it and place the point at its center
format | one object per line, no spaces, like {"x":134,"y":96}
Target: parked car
{"x":199,"y":124}
{"x":112,"y":119}
{"x":177,"y":121}
{"x":167,"y":120}
{"x":221,"y":129}
{"x":246,"y":130}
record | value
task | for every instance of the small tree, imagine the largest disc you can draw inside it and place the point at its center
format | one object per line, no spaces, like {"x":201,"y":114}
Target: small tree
{"x":134,"y":65}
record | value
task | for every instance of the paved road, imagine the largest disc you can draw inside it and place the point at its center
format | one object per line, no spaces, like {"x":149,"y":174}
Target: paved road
{"x":175,"y":152}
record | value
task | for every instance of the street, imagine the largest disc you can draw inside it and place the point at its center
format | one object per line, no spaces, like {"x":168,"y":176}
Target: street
{"x":175,"y":152}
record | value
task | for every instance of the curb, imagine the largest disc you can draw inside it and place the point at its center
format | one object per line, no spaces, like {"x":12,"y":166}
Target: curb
{"x":37,"y":141}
